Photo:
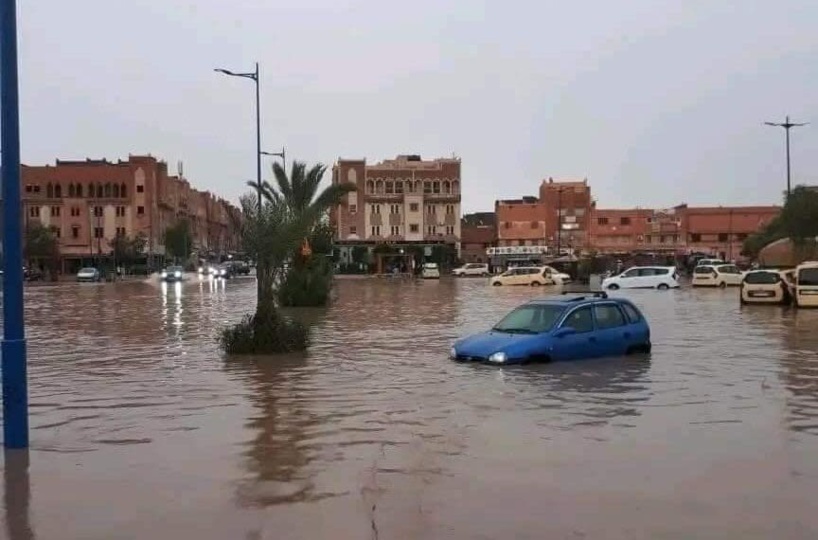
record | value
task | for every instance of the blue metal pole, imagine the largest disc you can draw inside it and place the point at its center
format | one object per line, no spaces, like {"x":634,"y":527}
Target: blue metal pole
{"x":13,"y":347}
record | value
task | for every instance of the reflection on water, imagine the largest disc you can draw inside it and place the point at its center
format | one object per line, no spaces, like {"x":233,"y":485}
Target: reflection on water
{"x":374,"y":429}
{"x":17,"y":495}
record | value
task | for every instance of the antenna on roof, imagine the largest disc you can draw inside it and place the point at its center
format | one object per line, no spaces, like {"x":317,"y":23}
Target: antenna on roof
{"x":180,"y":169}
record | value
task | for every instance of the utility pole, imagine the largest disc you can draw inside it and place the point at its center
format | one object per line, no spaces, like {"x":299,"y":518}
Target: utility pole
{"x":787,"y":125}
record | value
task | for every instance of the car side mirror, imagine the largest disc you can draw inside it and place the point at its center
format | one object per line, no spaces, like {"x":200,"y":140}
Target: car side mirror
{"x":565,"y":331}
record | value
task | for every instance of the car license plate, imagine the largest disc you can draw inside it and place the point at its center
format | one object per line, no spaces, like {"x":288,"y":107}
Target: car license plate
{"x":762,"y":293}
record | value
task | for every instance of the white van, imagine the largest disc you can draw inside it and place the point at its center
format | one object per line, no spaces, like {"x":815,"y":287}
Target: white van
{"x":644,"y":277}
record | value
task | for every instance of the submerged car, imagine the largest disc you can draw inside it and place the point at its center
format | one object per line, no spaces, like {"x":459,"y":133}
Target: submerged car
{"x":88,"y":275}
{"x":172,"y":273}
{"x":719,"y":275}
{"x":560,"y":328}
{"x":430,"y":271}
{"x":644,"y":277}
{"x":766,"y":287}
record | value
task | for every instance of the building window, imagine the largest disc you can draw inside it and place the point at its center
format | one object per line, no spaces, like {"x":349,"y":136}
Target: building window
{"x":120,"y":231}
{"x":79,"y":190}
{"x":431,"y":210}
{"x":395,"y":230}
{"x":376,"y":209}
{"x":399,"y":187}
{"x":427,"y":187}
{"x":507,"y":224}
{"x":741,"y":237}
{"x":624,"y":221}
{"x":430,"y":230}
{"x":602,"y":221}
{"x":675,"y":238}
{"x":353,"y":208}
{"x":390,"y":187}
{"x":120,"y":211}
{"x":29,"y":188}
{"x":723,"y":237}
{"x":75,"y":232}
{"x":648,"y":239}
{"x":56,"y":231}
{"x":435,"y":187}
{"x":450,"y":230}
{"x":449,"y":209}
{"x":140,"y":188}
{"x":98,"y":232}
{"x":34,"y":211}
{"x":394,"y":208}
{"x":376,"y":230}
{"x":75,"y":211}
{"x":140,"y":210}
{"x":695,"y":238}
{"x":353,"y":230}
{"x":55,"y":211}
{"x":535,"y":224}
{"x":414,"y":227}
{"x":123,"y":191}
{"x":579,"y":212}
{"x":413,"y":207}
{"x":97,"y":211}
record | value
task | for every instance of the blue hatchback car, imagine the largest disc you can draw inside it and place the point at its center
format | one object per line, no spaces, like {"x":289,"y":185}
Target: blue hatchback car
{"x":560,"y":328}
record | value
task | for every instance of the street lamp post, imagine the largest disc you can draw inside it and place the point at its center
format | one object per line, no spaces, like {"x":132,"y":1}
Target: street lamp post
{"x":787,"y":125}
{"x":15,"y":384}
{"x":253,"y":76}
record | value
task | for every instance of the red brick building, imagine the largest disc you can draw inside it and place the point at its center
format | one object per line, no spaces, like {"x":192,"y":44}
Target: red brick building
{"x":88,"y":203}
{"x":521,"y":222}
{"x":568,"y":206}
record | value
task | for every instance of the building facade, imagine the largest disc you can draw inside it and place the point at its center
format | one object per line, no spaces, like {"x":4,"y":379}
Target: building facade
{"x":89,"y":203}
{"x":478,"y":233}
{"x":406,"y":200}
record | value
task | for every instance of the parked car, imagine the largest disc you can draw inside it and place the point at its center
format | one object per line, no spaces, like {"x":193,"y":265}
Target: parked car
{"x":560,"y":328}
{"x":172,"y":274}
{"x":765,"y":287}
{"x":806,"y":285}
{"x":240,"y":268}
{"x":644,"y":277}
{"x":88,"y":275}
{"x":534,"y":276}
{"x":720,"y":275}
{"x":472,"y":269}
{"x":559,"y":277}
{"x":710,"y":262}
{"x":430,"y":271}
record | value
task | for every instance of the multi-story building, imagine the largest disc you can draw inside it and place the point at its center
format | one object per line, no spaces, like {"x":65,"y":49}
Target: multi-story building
{"x":405,"y":200}
{"x":478,"y":232}
{"x":521,"y":222}
{"x":567,"y":206}
{"x":88,"y":203}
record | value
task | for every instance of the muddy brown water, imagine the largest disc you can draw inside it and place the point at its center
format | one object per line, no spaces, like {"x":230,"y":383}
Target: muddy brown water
{"x":142,"y":429}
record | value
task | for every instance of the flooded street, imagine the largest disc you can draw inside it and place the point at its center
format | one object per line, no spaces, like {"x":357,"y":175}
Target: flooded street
{"x":140,"y":428}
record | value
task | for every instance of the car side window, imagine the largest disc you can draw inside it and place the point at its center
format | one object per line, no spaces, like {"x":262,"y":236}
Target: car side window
{"x":644,"y":272}
{"x":608,"y":316}
{"x":631,"y":313}
{"x":580,"y":320}
{"x":631,"y":273}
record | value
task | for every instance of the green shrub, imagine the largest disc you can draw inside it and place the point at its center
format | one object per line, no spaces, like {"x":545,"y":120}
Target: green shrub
{"x":308,"y":285}
{"x":275,"y":335}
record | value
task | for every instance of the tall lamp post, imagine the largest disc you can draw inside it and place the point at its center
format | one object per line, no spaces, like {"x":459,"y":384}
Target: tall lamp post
{"x":787,"y":125}
{"x":253,"y":76}
{"x":15,"y":385}
{"x":559,"y":220}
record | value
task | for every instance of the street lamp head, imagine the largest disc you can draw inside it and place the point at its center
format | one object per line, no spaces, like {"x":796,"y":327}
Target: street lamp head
{"x":225,"y":71}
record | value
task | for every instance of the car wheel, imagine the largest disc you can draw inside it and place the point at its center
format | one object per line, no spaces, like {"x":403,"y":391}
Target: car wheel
{"x":535,"y":283}
{"x":722,"y":285}
{"x":663,"y":287}
{"x":496,"y":284}
{"x":613,"y":287}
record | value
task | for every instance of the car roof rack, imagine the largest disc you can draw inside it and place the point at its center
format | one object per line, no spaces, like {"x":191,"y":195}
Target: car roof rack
{"x":597,"y":294}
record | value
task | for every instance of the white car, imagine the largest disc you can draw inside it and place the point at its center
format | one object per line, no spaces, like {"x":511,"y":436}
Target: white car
{"x":719,"y":275}
{"x":559,"y":277}
{"x":430,"y":271}
{"x":710,"y":262}
{"x":644,"y":277}
{"x":472,"y":269}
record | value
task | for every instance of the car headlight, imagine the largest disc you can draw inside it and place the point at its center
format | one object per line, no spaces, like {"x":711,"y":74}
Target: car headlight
{"x":452,"y":353}
{"x":201,"y":270}
{"x":498,"y":358}
{"x":178,"y":274}
{"x":164,"y":274}
{"x":223,"y":272}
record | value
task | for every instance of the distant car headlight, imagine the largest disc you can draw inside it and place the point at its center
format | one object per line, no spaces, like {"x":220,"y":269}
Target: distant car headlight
{"x":452,"y":353}
{"x":177,"y":274}
{"x":201,"y":270}
{"x":498,"y":358}
{"x":164,"y":274}
{"x":223,"y":272}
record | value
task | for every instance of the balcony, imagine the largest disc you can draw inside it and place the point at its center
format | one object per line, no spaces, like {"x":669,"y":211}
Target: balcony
{"x":384,"y":197}
{"x":443,"y":197}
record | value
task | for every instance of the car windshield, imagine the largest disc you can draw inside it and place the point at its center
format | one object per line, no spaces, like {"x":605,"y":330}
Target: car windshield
{"x":703,"y":270}
{"x":808,"y":277}
{"x":762,"y":278}
{"x":175,"y":268}
{"x":87,"y":270}
{"x":530,"y":319}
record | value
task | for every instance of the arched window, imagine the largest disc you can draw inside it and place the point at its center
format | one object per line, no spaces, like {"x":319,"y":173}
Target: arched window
{"x":123,"y":191}
{"x":447,"y":187}
{"x":107,"y":190}
{"x":436,"y":186}
{"x":427,"y":186}
{"x":72,"y":191}
{"x":116,"y":191}
{"x":370,"y":186}
{"x":79,"y":190}
{"x":49,"y":190}
{"x":379,"y":186}
{"x":455,"y":187}
{"x":390,"y":187}
{"x":58,"y":191}
{"x":417,"y":186}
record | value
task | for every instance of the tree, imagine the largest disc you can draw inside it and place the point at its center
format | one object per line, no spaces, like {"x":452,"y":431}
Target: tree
{"x":127,"y":250}
{"x":270,"y":235}
{"x":41,"y":244}
{"x":798,"y":221}
{"x":179,"y":240}
{"x":309,"y":278}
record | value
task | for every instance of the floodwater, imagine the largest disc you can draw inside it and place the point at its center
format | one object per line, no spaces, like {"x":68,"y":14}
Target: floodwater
{"x":142,"y":429}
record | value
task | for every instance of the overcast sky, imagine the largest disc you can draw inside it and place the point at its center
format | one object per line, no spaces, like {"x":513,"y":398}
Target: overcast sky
{"x":656,"y":102}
